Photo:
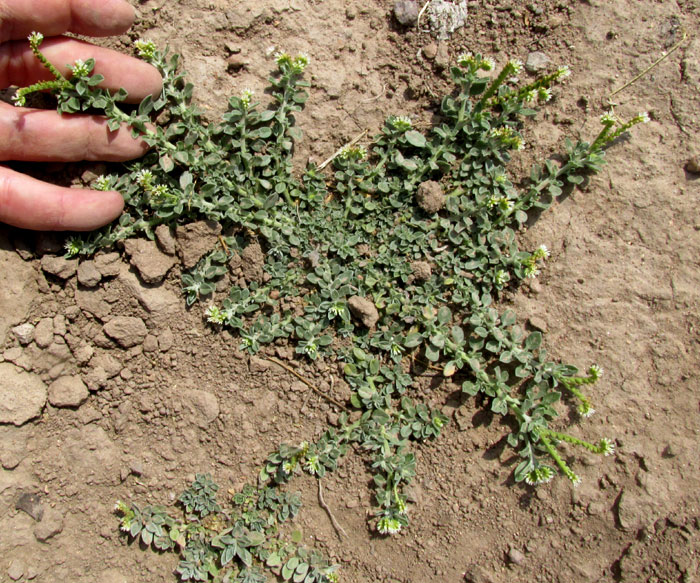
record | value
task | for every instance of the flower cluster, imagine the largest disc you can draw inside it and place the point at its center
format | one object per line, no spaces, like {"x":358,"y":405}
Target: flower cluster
{"x":80,"y":68}
{"x":508,"y":137}
{"x":388,"y":525}
{"x":353,"y":153}
{"x":296,"y":64}
{"x":401,"y":123}
{"x":146,"y":49}
{"x":246,"y":97}
{"x":540,"y":475}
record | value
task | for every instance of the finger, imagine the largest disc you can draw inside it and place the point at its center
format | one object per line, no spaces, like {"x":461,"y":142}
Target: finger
{"x":31,"y":204}
{"x":19,"y":66}
{"x":53,"y":17}
{"x":38,"y":135}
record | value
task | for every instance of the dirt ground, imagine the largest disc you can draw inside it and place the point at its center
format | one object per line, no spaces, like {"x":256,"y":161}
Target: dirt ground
{"x":621,"y":290}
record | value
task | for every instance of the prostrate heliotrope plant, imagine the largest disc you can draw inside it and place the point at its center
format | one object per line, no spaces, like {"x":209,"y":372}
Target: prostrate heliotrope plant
{"x":390,"y":264}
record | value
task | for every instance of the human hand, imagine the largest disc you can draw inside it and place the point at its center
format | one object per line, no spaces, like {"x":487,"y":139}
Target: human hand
{"x":36,"y":135}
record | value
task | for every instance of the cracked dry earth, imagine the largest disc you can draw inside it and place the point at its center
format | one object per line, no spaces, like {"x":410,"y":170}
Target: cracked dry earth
{"x":110,"y":389}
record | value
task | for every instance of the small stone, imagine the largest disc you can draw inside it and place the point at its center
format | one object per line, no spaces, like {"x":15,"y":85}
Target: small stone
{"x":477,"y":574}
{"x":669,"y":451}
{"x":693,"y":165}
{"x":350,"y":13}
{"x":195,"y":240}
{"x":127,"y":331}
{"x":515,"y":556}
{"x":51,"y":525}
{"x":150,"y":343}
{"x":165,"y":239}
{"x":110,"y":365}
{"x":16,"y":570}
{"x":406,"y":12}
{"x":24,"y":333}
{"x":537,"y":62}
{"x":442,"y":58}
{"x":151,"y":263}
{"x":430,"y":197}
{"x":59,"y":266}
{"x":535,"y":286}
{"x":108,"y":264}
{"x":364,"y":311}
{"x":22,"y":395}
{"x":537,"y":324}
{"x":166,"y":339}
{"x":83,"y":353}
{"x":43,"y":333}
{"x":136,"y":468}
{"x":68,"y":391}
{"x":59,"y":325}
{"x":88,"y":274}
{"x":430,"y":51}
{"x":88,"y":415}
{"x":30,"y":502}
{"x":235,"y":63}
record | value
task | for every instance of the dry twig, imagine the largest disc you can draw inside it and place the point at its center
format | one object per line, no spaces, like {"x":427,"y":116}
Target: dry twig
{"x":672,"y":50}
{"x":338,"y":529}
{"x":337,"y":153}
{"x":307,"y":383}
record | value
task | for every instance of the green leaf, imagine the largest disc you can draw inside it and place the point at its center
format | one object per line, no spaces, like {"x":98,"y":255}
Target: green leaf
{"x":413,"y":340}
{"x":416,"y":139}
{"x":533,"y":341}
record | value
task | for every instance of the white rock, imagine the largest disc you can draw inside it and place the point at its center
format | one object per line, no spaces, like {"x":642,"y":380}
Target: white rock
{"x":24,"y":333}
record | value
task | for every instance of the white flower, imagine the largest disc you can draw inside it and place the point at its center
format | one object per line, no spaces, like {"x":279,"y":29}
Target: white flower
{"x":388,"y":525}
{"x":585,"y":410}
{"x":595,"y":371}
{"x":516,"y":66}
{"x":488,"y":64}
{"x":642,"y":117}
{"x":465,"y":60}
{"x":606,"y":446}
{"x":145,"y":48}
{"x":246,"y":97}
{"x":544,"y":94}
{"x":80,"y":69}
{"x":19,"y":100}
{"x":401,"y":122}
{"x":607,"y":118}
{"x":501,"y":277}
{"x":101,"y":182}
{"x":538,"y":476}
{"x":541,"y":252}
{"x":35,"y":39}
{"x":563,"y":72}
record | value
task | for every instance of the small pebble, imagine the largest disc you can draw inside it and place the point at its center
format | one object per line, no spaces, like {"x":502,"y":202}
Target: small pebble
{"x":406,"y":12}
{"x":515,"y":556}
{"x":693,"y":165}
{"x":430,"y":51}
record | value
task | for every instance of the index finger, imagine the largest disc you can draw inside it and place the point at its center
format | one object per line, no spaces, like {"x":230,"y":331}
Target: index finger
{"x":18,"y":18}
